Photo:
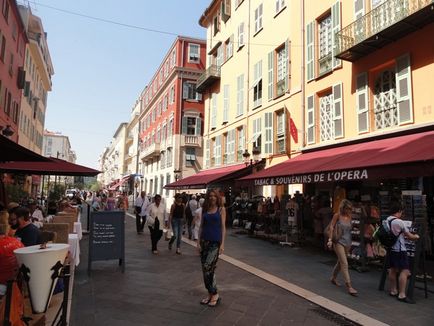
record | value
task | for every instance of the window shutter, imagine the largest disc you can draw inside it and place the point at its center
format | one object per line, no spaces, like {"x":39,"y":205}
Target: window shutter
{"x":310,"y":119}
{"x":214,"y":111}
{"x":310,"y":57}
{"x":185,"y":91}
{"x":270,"y":75}
{"x":198,"y":126}
{"x":359,"y":8}
{"x":336,"y":27}
{"x":403,"y":85}
{"x":337,"y":111}
{"x":359,"y":27}
{"x":268,"y":123}
{"x":362,"y":103}
{"x":225,"y":103}
{"x":198,"y":96}
{"x":288,"y":65}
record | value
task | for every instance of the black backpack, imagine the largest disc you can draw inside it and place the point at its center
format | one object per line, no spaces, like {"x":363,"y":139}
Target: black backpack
{"x":385,"y":235}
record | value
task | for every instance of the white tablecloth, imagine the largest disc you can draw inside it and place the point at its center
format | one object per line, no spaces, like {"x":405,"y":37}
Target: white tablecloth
{"x":74,"y":248}
{"x":78,"y":230}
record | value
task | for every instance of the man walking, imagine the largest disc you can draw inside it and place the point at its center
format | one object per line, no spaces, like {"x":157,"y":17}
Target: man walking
{"x":140,"y":208}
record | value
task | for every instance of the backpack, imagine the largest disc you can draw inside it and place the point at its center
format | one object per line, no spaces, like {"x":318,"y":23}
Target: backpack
{"x":385,"y":235}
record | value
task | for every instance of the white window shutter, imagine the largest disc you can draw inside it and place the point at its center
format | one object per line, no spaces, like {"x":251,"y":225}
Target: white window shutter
{"x":310,"y":117}
{"x":310,"y":55}
{"x":403,"y":89}
{"x":336,"y":27}
{"x":270,"y":75}
{"x":225,"y":103}
{"x":338,"y":111}
{"x":288,"y":65}
{"x":268,"y":127}
{"x":362,"y":103}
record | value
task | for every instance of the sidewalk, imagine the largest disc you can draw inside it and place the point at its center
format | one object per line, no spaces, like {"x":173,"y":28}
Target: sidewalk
{"x":166,"y":290}
{"x":310,"y":269}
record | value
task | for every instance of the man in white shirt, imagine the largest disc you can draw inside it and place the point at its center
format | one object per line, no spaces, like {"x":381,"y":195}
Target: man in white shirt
{"x":157,"y":218}
{"x":193,"y":206}
{"x":140,"y":208}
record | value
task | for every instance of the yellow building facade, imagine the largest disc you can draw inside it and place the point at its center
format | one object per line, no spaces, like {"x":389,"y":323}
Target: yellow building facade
{"x":284,"y":77}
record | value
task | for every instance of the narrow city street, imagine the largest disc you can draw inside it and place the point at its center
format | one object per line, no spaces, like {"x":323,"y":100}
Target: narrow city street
{"x":166,"y":289}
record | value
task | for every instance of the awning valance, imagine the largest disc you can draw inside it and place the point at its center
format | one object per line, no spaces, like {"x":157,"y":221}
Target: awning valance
{"x":403,"y":156}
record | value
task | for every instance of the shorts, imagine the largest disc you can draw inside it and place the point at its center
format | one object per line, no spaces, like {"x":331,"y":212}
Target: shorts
{"x":398,"y":260}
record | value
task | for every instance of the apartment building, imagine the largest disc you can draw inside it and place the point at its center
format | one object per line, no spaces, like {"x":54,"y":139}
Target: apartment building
{"x":13,"y":40}
{"x":132,"y":162}
{"x":38,"y":70}
{"x":56,"y":145}
{"x":253,"y":83}
{"x":171,"y":118}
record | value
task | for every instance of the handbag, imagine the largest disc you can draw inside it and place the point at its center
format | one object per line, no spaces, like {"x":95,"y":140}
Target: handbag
{"x":337,"y":232}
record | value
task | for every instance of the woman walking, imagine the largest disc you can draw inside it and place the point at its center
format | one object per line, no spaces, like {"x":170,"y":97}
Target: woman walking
{"x":156,"y":220}
{"x":341,"y":222}
{"x":176,"y":220}
{"x":211,"y":243}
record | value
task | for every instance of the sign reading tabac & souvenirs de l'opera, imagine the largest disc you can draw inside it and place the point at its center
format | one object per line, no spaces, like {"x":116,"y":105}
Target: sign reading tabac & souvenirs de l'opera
{"x":344,"y":175}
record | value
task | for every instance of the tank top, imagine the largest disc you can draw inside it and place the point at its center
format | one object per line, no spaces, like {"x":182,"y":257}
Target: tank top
{"x":345,"y":239}
{"x":212,"y":226}
{"x":178,"y":211}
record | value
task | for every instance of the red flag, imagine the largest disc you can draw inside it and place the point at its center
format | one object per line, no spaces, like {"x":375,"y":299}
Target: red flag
{"x":293,"y":130}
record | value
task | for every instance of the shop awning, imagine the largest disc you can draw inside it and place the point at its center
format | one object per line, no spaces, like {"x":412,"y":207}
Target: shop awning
{"x":403,"y":156}
{"x":11,"y":151}
{"x":211,"y":176}
{"x":53,"y":166}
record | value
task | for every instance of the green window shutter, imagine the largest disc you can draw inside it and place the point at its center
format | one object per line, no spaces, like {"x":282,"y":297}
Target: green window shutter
{"x":310,"y":55}
{"x":362,"y":103}
{"x":270,"y":75}
{"x":288,"y":64}
{"x":338,"y":111}
{"x":403,"y":87}
{"x":185,"y":91}
{"x":310,"y":117}
{"x":198,"y":126}
{"x":336,"y":27}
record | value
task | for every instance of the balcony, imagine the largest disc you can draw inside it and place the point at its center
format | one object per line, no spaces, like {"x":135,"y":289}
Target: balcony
{"x":129,"y":139}
{"x":191,"y":141}
{"x":384,"y":24}
{"x":211,"y":75}
{"x":151,"y":151}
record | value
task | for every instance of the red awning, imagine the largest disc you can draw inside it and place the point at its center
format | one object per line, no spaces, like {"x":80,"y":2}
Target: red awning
{"x":206,"y":177}
{"x":403,"y":156}
{"x":53,"y":166}
{"x":11,"y":151}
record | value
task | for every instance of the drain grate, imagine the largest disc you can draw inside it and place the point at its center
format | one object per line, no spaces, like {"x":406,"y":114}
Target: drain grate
{"x":331,"y":316}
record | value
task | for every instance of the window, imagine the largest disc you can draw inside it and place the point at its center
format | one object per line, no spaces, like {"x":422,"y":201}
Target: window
{"x":213,"y":120}
{"x":172,"y":95}
{"x":3,"y":48}
{"x":207,"y":153}
{"x":230,"y":146}
{"x":191,"y":125}
{"x":216,"y":24}
{"x":190,"y":156}
{"x":257,"y":84}
{"x":225,"y":103}
{"x":240,"y":35}
{"x":169,"y":158}
{"x":268,"y":141}
{"x":11,"y":65}
{"x":161,"y":184}
{"x":165,"y":102}
{"x":219,"y":56}
{"x":281,"y":70}
{"x":330,"y":114}
{"x":385,"y":104}
{"x":218,"y":150}
{"x":193,"y":52}
{"x":325,"y":44}
{"x":257,"y":134}
{"x":258,"y":18}
{"x":167,"y":182}
{"x":240,"y":143}
{"x":160,"y":106}
{"x":229,"y":45}
{"x":189,"y":92}
{"x":280,"y":5}
{"x":240,"y":94}
{"x":281,"y":132}
{"x":173,"y":58}
{"x":170,"y":128}
{"x":226,"y":10}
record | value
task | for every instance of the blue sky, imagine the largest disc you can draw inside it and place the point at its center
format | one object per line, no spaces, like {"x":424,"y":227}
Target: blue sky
{"x":101,"y":68}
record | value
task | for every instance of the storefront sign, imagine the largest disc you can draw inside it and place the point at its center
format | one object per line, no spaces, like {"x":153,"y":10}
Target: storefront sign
{"x":346,"y":175}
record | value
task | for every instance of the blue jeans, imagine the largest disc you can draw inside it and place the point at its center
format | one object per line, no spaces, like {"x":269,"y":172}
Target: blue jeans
{"x":177,"y":224}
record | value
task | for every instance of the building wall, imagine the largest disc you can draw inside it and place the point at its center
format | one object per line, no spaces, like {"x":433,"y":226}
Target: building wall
{"x":39,"y":69}
{"x":14,"y":40}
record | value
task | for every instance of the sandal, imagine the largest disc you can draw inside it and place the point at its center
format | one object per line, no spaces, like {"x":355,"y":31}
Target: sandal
{"x":205,"y":301}
{"x":404,"y":299}
{"x":214,"y":303}
{"x":334,"y":282}
{"x":393,"y":294}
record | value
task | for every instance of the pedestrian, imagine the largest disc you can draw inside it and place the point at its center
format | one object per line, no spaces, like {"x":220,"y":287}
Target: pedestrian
{"x":211,"y":243}
{"x":197,"y":219}
{"x":140,"y":207}
{"x":176,"y":221}
{"x":190,"y":209}
{"x":156,"y":220}
{"x":398,"y":263}
{"x":341,"y":221}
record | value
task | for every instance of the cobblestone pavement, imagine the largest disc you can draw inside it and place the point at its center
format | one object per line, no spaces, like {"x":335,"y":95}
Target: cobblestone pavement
{"x":166,"y":290}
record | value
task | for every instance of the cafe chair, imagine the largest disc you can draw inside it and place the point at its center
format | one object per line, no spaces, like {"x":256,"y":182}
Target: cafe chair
{"x":61,"y":230}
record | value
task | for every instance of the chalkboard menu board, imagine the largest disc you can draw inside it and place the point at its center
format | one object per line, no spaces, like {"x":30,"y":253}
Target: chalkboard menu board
{"x":107,"y":237}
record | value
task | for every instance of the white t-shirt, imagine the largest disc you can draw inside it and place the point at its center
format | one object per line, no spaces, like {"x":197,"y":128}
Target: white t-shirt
{"x":143,"y":203}
{"x":398,"y":227}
